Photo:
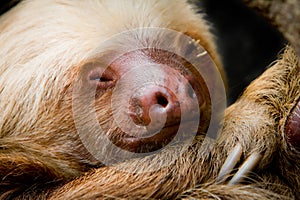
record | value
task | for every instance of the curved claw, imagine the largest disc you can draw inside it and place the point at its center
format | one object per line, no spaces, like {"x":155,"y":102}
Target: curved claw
{"x":250,"y":163}
{"x":230,"y":162}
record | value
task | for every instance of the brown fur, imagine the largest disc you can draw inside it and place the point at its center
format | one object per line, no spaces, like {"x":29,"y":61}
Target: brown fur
{"x":45,"y":45}
{"x":256,"y":121}
{"x":42,"y":157}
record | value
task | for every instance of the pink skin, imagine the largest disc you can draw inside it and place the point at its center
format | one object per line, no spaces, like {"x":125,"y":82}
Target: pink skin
{"x":161,"y":94}
{"x":293,"y":127}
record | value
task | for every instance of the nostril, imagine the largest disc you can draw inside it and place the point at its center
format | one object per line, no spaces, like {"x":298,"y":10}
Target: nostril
{"x":162,"y":100}
{"x":151,"y":103}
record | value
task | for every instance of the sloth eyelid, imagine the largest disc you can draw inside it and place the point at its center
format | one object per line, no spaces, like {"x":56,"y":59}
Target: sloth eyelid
{"x":102,"y":75}
{"x":101,"y":79}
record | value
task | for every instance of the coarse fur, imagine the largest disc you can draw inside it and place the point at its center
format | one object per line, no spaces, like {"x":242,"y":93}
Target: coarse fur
{"x":256,"y":121}
{"x":44,"y":44}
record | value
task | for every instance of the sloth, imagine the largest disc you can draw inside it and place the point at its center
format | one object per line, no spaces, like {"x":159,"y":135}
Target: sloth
{"x":111,"y":99}
{"x":88,"y":84}
{"x":256,"y":155}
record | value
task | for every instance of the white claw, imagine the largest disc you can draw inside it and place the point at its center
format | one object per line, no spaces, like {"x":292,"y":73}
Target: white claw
{"x":230,"y":162}
{"x":251,"y":162}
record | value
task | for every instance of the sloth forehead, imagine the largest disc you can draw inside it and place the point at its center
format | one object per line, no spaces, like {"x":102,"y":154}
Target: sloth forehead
{"x":77,"y":27}
{"x":109,"y":16}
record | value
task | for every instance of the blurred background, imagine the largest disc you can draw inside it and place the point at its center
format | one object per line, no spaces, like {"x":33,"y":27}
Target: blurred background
{"x":247,"y":43}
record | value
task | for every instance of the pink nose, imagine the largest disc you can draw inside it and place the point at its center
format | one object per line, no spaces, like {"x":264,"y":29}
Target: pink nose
{"x":161,"y":99}
{"x":154,"y":104}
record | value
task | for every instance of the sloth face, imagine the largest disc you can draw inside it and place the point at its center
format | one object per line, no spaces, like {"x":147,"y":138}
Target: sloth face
{"x":108,"y":76}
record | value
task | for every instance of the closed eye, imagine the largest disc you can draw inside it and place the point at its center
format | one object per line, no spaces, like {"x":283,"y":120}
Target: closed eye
{"x":103,"y":78}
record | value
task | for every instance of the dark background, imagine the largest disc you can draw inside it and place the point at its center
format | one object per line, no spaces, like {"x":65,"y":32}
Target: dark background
{"x":247,"y":43}
{"x":7,"y":4}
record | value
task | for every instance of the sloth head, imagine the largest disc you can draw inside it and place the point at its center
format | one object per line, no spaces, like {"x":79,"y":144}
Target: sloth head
{"x":113,"y":78}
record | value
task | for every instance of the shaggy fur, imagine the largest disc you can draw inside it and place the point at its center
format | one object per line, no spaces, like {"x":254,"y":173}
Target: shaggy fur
{"x":44,"y":44}
{"x":256,"y":121}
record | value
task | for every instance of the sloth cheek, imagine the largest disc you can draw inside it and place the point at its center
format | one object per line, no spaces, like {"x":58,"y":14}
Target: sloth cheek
{"x":292,"y":129}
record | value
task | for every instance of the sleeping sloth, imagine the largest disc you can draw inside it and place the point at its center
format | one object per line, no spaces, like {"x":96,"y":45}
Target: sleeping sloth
{"x":88,"y":84}
{"x":122,"y":99}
